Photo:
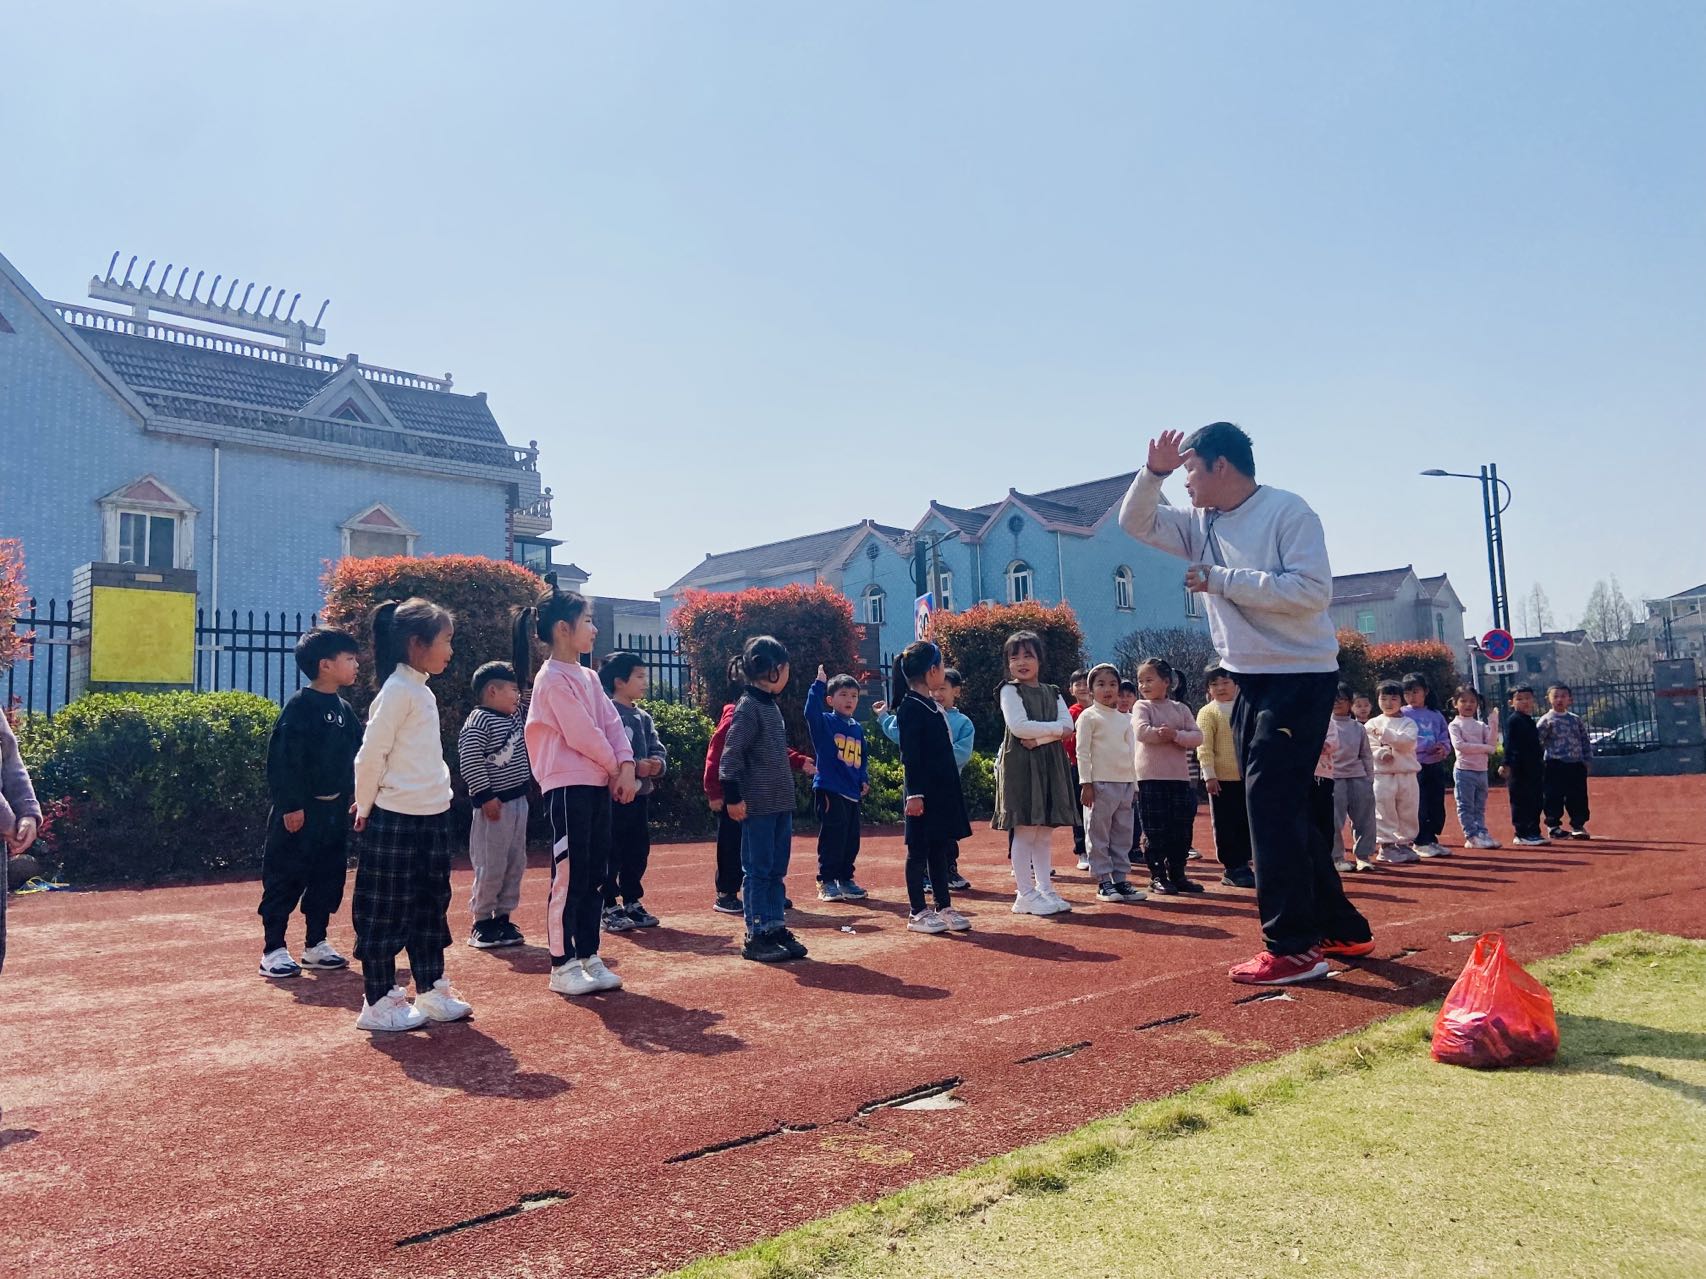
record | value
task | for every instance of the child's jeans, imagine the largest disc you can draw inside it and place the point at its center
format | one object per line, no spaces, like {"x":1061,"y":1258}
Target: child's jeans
{"x":765,"y":844}
{"x":1396,"y":799}
{"x":1472,"y":802}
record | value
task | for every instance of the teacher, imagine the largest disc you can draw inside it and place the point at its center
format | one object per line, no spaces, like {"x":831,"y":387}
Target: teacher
{"x":1258,"y":556}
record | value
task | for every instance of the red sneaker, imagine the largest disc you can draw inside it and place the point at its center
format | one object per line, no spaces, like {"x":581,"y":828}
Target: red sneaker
{"x":1347,"y":949}
{"x":1268,"y":969}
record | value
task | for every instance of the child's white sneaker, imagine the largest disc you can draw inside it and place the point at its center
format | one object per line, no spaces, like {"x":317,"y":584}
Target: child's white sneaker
{"x":442,"y":1003}
{"x":1083,"y":863}
{"x":956,"y":922}
{"x":1058,"y":905}
{"x":926,"y":921}
{"x":321,"y":955}
{"x":1032,"y":903}
{"x":571,"y":979}
{"x":278,"y":963}
{"x":394,"y":1012}
{"x":1435,"y":849}
{"x":594,"y":968}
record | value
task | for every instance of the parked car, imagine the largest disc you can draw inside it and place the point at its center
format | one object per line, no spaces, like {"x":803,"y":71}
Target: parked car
{"x":1627,"y":739}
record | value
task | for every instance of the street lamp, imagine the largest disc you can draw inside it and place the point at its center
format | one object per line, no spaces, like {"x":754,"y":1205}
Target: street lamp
{"x":1494,"y":503}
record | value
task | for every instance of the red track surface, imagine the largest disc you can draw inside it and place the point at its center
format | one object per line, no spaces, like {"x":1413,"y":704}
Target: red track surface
{"x":167,"y":1112}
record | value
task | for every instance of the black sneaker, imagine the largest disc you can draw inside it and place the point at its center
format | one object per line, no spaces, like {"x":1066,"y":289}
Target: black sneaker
{"x":764,"y":949}
{"x":790,"y":943}
{"x":1109,"y":892}
{"x":486,"y":935}
{"x":1557,"y":832}
{"x":958,"y":883}
{"x":728,"y":904}
{"x":642,"y":917}
{"x":1239,"y":877}
{"x":1581,"y":834}
{"x":1159,"y":887}
{"x":1186,"y":885}
{"x":787,"y":903}
{"x":508,"y":933}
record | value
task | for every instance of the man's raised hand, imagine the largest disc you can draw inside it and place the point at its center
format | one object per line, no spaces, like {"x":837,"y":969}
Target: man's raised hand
{"x":1164,"y":453}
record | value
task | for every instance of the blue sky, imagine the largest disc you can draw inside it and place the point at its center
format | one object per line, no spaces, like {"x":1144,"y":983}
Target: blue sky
{"x":752,"y":270}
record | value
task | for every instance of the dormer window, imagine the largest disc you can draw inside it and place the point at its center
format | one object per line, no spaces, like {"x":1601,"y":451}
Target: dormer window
{"x":350,"y":411}
{"x":147,"y":525}
{"x":377,"y":531}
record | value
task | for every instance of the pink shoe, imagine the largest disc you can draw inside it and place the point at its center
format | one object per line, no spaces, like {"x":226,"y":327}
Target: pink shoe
{"x":1268,"y":969}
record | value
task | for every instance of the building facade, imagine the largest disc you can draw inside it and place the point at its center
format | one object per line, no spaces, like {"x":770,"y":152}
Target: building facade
{"x":1064,"y":545}
{"x":1676,"y":625}
{"x":1395,"y":604}
{"x":254,"y":464}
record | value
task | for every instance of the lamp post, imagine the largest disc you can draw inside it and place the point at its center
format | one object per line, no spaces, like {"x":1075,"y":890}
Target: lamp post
{"x":1495,"y":500}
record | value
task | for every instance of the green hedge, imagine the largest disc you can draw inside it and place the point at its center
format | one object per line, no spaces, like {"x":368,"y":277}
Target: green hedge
{"x":148,"y":787}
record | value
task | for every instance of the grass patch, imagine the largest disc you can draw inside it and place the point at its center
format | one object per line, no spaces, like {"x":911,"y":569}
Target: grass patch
{"x":1360,"y":1156}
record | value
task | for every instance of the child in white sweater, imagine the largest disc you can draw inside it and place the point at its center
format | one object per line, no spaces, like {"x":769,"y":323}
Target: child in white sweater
{"x":1474,"y":743}
{"x":1396,"y":794}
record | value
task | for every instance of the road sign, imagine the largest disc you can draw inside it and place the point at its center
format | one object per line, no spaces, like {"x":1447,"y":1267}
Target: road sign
{"x":1498,"y":668}
{"x":921,"y":617}
{"x":1498,"y":645}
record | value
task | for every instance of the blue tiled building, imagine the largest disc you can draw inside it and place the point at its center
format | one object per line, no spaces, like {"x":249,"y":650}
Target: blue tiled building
{"x":131,"y":440}
{"x":1062,"y":545}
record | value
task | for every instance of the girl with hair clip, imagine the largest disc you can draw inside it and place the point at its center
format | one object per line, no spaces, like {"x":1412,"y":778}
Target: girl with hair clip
{"x":581,"y":757}
{"x":1167,"y":734}
{"x":935,"y":808}
{"x":1033,"y":786}
{"x":402,"y":823}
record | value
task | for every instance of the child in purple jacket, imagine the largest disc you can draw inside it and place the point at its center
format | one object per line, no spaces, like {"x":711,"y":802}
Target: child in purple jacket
{"x":1433,"y":748}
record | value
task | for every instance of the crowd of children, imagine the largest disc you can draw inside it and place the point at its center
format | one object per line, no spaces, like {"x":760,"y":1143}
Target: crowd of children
{"x":1117,"y":765}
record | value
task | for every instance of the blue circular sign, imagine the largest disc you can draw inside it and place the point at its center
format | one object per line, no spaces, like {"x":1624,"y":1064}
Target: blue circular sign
{"x":1498,"y":645}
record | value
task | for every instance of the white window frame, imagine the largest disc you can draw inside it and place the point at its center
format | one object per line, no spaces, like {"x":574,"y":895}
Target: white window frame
{"x":118,"y":503}
{"x":1020,"y":572}
{"x":1125,"y":594}
{"x":1370,"y":629}
{"x":945,"y":590}
{"x":874,"y":601}
{"x":357,"y":523}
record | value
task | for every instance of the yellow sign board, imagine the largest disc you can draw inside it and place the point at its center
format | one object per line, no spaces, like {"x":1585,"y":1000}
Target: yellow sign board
{"x":141,"y":637}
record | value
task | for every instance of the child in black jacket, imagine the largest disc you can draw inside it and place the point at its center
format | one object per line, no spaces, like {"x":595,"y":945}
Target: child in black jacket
{"x":1522,"y":767}
{"x":935,"y":808}
{"x":311,"y":776}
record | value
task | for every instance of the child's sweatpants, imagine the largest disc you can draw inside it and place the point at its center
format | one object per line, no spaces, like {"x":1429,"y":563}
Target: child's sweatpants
{"x":1353,"y":797}
{"x":1525,"y":797}
{"x":498,"y":851}
{"x":308,"y":867}
{"x":729,"y":870}
{"x":580,"y":854}
{"x":1566,"y":788}
{"x":630,"y":852}
{"x":1110,"y":827}
{"x":1169,"y":811}
{"x":1229,"y":814}
{"x":402,"y":894}
{"x":1396,"y":797}
{"x":837,"y":835}
{"x":1471,"y":790}
{"x":1031,"y":856}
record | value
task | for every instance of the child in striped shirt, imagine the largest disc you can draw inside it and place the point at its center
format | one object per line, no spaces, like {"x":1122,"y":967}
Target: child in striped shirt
{"x":492,"y":752}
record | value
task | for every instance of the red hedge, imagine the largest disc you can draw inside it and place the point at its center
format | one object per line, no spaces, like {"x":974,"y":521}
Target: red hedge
{"x":971,"y":643}
{"x":482,"y":593}
{"x":814,"y":622}
{"x":1436,"y":662}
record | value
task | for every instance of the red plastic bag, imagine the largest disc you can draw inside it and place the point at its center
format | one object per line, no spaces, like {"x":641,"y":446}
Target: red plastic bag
{"x":1496,"y":1014}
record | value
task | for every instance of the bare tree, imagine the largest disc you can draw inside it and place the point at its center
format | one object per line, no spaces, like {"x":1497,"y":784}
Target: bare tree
{"x":1608,"y":617}
{"x":1187,"y":649}
{"x":1534,"y":612}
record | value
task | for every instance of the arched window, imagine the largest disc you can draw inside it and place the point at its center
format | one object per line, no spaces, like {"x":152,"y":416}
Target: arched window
{"x":945,"y":590}
{"x":1018,"y":582}
{"x":876,"y":605}
{"x":1122,"y":588}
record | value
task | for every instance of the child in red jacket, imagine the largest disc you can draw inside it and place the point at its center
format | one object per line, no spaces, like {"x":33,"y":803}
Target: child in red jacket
{"x":728,"y":831}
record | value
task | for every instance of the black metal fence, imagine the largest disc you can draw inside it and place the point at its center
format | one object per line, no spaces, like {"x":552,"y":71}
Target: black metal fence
{"x":235,"y":652}
{"x":667,"y":667}
{"x":39,"y":682}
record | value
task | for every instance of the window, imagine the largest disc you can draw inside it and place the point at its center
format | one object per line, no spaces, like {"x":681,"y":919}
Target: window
{"x":1365,"y":621}
{"x":945,"y":590}
{"x":1122,"y":588}
{"x":147,"y":525}
{"x":377,"y":531}
{"x":1534,"y":665}
{"x":1018,"y":582}
{"x":147,"y":541}
{"x":533,"y":556}
{"x":1193,"y":604}
{"x":349,"y":411}
{"x":1439,"y":627}
{"x":876,"y":605}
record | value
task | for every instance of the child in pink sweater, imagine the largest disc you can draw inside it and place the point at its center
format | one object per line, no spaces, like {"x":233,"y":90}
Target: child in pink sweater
{"x":1474,"y":743}
{"x":581,"y":757}
{"x":1167,"y":734}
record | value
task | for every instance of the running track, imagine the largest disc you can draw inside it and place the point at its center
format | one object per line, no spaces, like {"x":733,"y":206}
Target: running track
{"x":169,"y":1113}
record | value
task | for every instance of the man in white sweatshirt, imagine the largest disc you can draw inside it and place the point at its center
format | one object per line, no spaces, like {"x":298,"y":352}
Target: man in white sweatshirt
{"x":1259,"y":558}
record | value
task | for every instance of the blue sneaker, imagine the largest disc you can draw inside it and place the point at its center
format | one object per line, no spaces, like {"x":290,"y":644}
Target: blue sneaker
{"x":828,"y":891}
{"x":852,"y":891}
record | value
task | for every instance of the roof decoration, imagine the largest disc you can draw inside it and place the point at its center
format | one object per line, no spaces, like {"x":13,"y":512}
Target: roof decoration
{"x":144,"y":298}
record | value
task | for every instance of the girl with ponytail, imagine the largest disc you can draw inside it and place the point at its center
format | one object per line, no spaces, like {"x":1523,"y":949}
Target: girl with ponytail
{"x":402,"y":823}
{"x":935,"y":808}
{"x":581,"y":758}
{"x":1167,"y":736}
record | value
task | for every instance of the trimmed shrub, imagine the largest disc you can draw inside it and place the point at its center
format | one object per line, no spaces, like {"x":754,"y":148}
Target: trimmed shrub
{"x":13,"y":596}
{"x":678,"y":804}
{"x":1354,"y":666}
{"x":482,"y":593}
{"x":1435,"y":661}
{"x":971,"y":642}
{"x":814,"y":622}
{"x":145,"y":787}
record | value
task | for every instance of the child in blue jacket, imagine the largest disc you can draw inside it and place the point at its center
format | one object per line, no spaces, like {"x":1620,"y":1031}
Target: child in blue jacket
{"x":964,"y":739}
{"x":843,"y":778}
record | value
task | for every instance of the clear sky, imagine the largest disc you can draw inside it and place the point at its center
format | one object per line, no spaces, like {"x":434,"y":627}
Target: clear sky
{"x":752,"y":270}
